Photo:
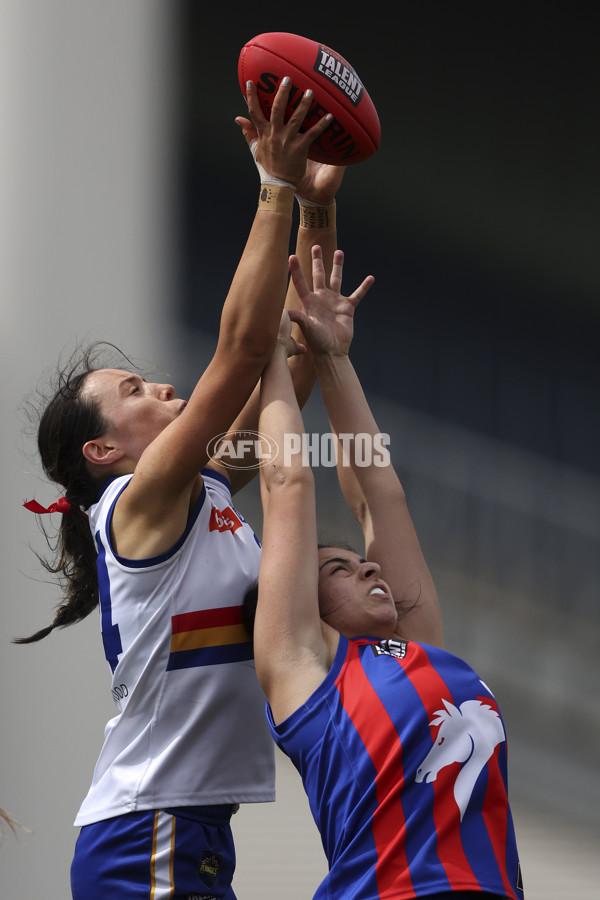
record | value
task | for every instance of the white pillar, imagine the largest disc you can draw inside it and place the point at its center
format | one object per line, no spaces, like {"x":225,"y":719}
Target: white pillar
{"x":84,"y":230}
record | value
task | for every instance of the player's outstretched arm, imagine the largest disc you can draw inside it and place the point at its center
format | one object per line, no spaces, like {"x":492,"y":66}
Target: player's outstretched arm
{"x":373,"y":491}
{"x":289,"y":650}
{"x":317,"y":225}
{"x":155,"y":507}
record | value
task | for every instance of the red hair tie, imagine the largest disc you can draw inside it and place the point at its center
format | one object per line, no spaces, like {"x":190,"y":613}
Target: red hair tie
{"x":62,"y":505}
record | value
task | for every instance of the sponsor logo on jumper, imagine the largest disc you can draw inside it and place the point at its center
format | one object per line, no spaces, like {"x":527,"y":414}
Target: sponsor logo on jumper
{"x":224,"y":520}
{"x":397,"y":649}
{"x":337,"y":71}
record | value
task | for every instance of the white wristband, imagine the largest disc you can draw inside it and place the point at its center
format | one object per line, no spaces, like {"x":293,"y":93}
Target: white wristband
{"x":265,"y":178}
{"x":303,"y":202}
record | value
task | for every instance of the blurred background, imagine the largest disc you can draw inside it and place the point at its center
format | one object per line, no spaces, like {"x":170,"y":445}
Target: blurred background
{"x":126,"y":194}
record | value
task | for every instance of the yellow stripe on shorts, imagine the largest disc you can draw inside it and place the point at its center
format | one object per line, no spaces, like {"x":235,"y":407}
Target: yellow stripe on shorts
{"x":161,"y":863}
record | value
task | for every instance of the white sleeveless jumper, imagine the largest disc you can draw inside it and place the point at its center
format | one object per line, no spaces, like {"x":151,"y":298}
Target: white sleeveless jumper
{"x":191,"y":728}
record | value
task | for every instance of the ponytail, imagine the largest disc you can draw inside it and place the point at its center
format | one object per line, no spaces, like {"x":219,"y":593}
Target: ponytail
{"x":67,"y":422}
{"x":74,"y":561}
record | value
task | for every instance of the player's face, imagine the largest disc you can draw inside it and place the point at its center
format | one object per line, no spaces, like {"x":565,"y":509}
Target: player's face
{"x":353,"y":598}
{"x":136,"y":410}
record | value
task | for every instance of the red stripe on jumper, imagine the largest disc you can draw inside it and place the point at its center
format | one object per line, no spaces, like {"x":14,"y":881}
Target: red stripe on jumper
{"x":495,"y":815}
{"x":366,"y":711}
{"x":431,"y":688}
{"x":206,"y":618}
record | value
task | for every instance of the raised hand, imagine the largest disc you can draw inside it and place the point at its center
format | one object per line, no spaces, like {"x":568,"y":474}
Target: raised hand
{"x":326,"y":317}
{"x":282,"y":148}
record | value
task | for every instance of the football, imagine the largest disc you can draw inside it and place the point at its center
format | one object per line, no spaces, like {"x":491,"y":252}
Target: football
{"x":354,"y":133}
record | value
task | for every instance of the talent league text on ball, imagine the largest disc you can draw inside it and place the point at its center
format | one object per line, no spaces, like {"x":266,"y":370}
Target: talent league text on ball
{"x":339,"y":73}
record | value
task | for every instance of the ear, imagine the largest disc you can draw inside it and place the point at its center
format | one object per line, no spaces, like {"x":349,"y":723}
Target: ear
{"x":101,"y":453}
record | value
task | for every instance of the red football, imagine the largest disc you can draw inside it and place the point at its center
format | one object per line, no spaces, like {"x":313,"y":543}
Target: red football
{"x":354,"y":132}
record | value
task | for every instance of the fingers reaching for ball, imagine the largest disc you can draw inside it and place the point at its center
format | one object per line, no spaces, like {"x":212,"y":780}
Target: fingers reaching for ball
{"x":282,"y":147}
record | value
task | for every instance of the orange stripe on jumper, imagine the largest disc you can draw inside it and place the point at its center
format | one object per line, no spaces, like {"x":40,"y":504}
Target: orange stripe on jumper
{"x":208,"y":637}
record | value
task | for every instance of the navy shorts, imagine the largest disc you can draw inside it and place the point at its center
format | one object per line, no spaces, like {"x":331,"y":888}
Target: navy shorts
{"x":181,"y":854}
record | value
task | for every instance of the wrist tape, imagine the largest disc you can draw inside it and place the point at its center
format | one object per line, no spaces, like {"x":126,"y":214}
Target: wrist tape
{"x":265,"y":177}
{"x":312,"y":215}
{"x":277,"y":198}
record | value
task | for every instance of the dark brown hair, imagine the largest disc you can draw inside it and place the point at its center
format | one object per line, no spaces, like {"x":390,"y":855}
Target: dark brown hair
{"x":65,"y":423}
{"x":251,"y":597}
